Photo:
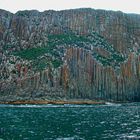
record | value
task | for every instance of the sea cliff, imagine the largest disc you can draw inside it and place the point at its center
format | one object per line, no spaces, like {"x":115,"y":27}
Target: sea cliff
{"x":80,"y":54}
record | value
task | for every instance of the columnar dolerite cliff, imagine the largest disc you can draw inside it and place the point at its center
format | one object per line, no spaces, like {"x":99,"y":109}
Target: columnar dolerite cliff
{"x":72,"y":54}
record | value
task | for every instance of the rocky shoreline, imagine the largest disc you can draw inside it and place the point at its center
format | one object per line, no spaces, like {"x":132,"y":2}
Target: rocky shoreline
{"x":58,"y":102}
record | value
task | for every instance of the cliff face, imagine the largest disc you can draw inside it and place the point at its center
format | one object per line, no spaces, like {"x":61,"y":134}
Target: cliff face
{"x":73,"y":54}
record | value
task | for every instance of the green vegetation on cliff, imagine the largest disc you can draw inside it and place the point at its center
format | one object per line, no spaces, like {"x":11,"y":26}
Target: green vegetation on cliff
{"x":33,"y":53}
{"x":51,"y":52}
{"x":41,"y":57}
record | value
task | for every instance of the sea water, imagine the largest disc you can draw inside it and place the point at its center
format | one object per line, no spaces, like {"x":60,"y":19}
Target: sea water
{"x":70,"y":122}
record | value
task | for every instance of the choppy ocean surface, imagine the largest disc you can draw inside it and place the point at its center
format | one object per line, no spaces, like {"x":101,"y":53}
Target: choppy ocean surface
{"x":70,"y":122}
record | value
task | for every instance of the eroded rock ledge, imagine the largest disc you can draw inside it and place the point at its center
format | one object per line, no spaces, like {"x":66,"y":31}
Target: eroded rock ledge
{"x":57,"y":102}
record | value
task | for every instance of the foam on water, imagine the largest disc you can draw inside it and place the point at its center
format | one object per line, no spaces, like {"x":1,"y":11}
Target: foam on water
{"x":46,"y":106}
{"x":112,"y":104}
{"x":71,"y":138}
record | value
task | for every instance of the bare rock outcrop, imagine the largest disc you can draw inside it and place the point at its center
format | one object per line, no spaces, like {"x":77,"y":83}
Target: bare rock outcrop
{"x":70,"y":54}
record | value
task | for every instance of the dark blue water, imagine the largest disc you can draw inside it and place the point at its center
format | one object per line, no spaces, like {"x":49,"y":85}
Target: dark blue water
{"x":70,"y":122}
